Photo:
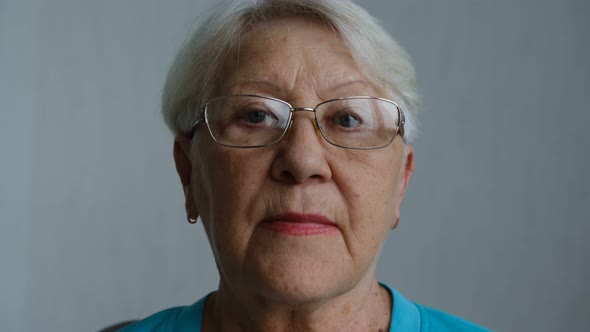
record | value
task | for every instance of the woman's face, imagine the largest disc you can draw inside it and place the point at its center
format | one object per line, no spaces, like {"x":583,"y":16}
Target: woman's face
{"x":300,"y":220}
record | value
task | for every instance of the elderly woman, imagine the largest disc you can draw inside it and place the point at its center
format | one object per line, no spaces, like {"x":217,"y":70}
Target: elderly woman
{"x":293,"y":120}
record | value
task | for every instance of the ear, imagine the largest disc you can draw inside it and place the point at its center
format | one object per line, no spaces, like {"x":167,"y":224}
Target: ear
{"x":182,"y":148}
{"x":405,"y":174}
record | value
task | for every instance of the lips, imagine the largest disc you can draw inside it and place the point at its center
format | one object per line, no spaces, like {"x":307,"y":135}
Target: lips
{"x":300,"y":224}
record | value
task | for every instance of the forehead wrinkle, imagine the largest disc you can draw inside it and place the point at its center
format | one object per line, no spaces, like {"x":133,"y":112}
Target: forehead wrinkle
{"x":253,"y":82}
{"x":351,"y":87}
{"x":308,"y":71}
{"x":303,"y":79}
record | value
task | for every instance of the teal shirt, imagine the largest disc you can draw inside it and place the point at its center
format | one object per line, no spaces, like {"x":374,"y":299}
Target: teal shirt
{"x":406,"y":316}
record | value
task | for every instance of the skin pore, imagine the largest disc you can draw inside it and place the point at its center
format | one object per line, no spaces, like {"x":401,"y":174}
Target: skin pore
{"x":272,"y":281}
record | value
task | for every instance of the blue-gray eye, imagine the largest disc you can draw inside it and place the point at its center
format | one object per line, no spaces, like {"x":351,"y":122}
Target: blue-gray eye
{"x":348,"y":121}
{"x":256,"y":116}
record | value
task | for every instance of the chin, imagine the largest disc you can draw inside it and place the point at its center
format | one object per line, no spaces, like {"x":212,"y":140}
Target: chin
{"x":298,"y":280}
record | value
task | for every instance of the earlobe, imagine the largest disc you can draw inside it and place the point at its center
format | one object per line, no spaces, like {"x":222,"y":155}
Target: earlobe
{"x":191,"y":212}
{"x":182,"y":148}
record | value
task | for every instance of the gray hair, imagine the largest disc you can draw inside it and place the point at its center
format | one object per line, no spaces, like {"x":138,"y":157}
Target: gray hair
{"x":194,"y":74}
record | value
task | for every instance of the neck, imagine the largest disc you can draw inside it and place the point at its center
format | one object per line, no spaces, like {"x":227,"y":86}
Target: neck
{"x":366,"y":307}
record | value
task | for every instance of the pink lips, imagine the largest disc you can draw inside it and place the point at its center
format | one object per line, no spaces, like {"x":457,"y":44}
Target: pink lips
{"x":291,"y":223}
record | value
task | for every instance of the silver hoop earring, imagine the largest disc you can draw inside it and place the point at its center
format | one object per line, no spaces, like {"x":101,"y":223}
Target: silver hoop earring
{"x":187,"y":194}
{"x":189,"y":217}
{"x":190,"y":220}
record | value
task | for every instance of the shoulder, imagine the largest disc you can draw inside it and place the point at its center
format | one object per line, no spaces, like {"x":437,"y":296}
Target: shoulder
{"x":161,"y":321}
{"x":410,"y":316}
{"x":177,"y":319}
{"x":436,"y":320}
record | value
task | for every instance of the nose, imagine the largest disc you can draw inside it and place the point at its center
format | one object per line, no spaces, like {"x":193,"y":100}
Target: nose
{"x":301,"y":156}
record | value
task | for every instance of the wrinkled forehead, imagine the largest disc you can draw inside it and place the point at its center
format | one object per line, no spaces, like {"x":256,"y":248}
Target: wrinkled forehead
{"x":261,"y":37}
{"x":285,"y":47}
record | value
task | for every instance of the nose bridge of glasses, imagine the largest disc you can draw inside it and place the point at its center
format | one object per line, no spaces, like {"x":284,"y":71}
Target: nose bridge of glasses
{"x":302,"y":109}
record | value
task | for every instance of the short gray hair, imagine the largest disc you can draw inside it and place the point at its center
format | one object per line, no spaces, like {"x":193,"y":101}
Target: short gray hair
{"x":194,"y":74}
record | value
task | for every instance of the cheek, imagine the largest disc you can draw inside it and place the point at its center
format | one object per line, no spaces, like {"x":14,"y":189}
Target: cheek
{"x":371,"y":177}
{"x":369,"y":187}
{"x":239,"y":176}
{"x":226,"y":175}
{"x":229,"y":182}
{"x":375,"y":202}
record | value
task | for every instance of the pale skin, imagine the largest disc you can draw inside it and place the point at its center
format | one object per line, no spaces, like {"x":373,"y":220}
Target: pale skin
{"x":279,"y":282}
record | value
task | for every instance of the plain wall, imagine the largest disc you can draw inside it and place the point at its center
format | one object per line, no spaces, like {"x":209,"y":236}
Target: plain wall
{"x":494,"y":226}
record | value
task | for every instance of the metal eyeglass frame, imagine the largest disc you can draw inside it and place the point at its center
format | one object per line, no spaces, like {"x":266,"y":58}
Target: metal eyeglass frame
{"x":202,"y":118}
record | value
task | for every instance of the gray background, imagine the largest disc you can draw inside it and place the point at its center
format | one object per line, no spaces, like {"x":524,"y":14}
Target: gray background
{"x":493,"y":229}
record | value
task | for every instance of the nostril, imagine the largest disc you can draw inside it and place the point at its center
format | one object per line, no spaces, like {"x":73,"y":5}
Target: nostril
{"x":288,"y":176}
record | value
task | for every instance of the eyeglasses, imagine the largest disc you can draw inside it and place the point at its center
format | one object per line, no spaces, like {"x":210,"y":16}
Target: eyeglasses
{"x":249,"y":121}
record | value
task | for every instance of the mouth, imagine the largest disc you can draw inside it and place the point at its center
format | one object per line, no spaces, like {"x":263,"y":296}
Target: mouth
{"x":300,"y":224}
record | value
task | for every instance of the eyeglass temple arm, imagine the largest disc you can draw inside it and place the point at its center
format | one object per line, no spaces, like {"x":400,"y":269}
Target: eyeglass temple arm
{"x":199,"y":120}
{"x":402,"y":122}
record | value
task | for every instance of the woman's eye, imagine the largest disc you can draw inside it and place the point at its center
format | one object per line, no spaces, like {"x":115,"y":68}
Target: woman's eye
{"x":256,"y":116}
{"x":347,"y":121}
